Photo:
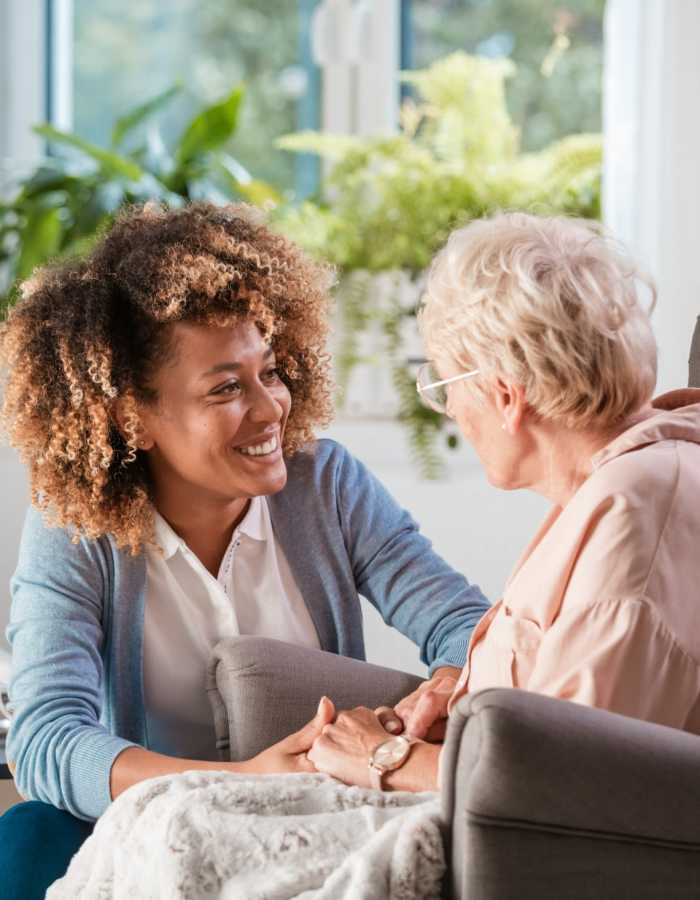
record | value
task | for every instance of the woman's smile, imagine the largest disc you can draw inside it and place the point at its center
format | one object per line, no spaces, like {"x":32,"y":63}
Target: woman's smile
{"x":263,"y":449}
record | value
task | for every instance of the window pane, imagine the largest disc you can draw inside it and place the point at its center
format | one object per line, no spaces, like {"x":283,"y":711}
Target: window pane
{"x":126,"y":53}
{"x":557,"y":46}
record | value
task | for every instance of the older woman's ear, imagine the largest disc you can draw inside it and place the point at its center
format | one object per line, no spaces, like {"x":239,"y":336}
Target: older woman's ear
{"x":510,"y":402}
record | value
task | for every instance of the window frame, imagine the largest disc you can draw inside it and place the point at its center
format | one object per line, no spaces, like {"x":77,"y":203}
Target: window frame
{"x":23,"y":68}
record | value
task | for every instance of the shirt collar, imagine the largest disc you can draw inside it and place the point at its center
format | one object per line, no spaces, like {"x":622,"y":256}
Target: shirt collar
{"x":673,"y":416}
{"x":166,"y":538}
{"x":252,"y":525}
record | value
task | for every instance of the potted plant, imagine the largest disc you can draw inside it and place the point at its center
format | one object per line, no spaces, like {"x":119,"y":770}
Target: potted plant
{"x":58,"y":208}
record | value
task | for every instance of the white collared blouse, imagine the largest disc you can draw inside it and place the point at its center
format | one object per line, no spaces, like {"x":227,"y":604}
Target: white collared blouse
{"x":188,"y":611}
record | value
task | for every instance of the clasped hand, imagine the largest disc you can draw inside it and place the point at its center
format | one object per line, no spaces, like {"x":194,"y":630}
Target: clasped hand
{"x":341,"y":745}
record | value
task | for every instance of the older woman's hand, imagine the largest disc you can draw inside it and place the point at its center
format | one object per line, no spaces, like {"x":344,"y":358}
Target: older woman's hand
{"x":344,"y":747}
{"x":423,"y":714}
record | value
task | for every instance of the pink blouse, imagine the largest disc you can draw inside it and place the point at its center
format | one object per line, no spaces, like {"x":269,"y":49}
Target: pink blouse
{"x":603,"y":607}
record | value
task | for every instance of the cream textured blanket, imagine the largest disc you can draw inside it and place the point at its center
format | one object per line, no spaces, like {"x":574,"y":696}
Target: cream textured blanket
{"x":220,"y":835}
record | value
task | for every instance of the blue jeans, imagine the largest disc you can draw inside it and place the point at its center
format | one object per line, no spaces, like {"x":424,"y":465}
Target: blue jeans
{"x":37,"y":842}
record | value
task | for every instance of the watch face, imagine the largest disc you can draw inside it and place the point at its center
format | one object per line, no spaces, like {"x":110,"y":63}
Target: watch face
{"x":391,"y":752}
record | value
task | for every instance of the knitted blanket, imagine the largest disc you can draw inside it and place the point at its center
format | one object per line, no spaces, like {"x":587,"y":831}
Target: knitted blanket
{"x":229,"y":836}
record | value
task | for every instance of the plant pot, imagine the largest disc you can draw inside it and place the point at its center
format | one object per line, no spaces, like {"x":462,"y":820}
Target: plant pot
{"x":375,"y":330}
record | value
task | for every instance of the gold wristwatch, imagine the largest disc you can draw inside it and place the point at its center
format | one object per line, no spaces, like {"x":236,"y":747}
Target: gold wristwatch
{"x":388,"y":756}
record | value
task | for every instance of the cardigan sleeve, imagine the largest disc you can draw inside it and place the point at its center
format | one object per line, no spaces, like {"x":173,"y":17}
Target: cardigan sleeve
{"x":61,"y":753}
{"x":397,"y":570}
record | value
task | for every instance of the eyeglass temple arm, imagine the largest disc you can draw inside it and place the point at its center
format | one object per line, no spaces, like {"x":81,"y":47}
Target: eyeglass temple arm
{"x":448,"y":380}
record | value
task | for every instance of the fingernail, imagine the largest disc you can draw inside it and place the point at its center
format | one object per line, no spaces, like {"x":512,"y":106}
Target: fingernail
{"x":393,"y":726}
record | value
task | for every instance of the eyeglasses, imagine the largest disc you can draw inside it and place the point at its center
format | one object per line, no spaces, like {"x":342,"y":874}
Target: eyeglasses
{"x":432,"y":390}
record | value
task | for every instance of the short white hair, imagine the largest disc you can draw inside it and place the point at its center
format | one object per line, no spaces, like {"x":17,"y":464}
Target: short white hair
{"x":549,"y":303}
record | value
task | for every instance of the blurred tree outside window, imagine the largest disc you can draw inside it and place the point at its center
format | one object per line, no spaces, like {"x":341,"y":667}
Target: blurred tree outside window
{"x":557,"y":46}
{"x":125,"y":53}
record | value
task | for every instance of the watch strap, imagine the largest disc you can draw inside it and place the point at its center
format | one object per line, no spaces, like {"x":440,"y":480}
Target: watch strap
{"x":375,"y":777}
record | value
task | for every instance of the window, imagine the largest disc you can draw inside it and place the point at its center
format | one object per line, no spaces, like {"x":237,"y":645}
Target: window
{"x":557,"y":46}
{"x":125,"y":53}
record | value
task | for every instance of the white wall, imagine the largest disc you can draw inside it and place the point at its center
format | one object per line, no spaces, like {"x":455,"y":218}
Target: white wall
{"x":22,"y":39}
{"x":652,"y":148}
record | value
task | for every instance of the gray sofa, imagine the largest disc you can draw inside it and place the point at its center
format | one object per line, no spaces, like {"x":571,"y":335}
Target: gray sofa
{"x":543,"y":798}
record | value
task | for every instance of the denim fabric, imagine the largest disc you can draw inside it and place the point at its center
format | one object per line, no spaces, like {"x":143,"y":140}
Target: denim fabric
{"x":37,"y":842}
{"x":76,"y":623}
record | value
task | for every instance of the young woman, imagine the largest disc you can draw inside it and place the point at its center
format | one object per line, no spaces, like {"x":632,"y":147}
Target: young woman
{"x":163,"y":393}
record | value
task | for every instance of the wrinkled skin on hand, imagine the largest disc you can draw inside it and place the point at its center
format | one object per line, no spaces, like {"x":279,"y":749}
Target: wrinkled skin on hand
{"x":423,"y":714}
{"x":344,"y":747}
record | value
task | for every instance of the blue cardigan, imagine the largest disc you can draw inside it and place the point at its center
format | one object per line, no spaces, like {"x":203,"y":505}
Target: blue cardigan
{"x":76,"y":624}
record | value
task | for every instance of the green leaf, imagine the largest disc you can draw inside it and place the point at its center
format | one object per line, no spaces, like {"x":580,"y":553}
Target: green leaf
{"x":240,"y":183}
{"x":134,"y":117}
{"x":44,"y":179}
{"x":82,"y":245}
{"x":260,"y":193}
{"x":41,"y":238}
{"x":211,"y":128}
{"x":111,"y":163}
{"x":328,"y":146}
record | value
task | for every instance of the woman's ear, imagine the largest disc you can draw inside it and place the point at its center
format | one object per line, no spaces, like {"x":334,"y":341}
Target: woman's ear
{"x":510,"y":404}
{"x":126,"y":418}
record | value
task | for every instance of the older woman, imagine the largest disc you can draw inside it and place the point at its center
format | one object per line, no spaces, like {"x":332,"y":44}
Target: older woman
{"x":163,"y":393}
{"x":542,"y":351}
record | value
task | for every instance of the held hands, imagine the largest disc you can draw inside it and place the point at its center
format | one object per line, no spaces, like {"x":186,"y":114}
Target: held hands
{"x":341,"y":748}
{"x":423,"y":714}
{"x":344,"y":747}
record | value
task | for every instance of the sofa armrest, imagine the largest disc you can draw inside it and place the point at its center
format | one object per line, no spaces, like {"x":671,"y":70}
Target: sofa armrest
{"x":520,"y":763}
{"x":261,"y":690}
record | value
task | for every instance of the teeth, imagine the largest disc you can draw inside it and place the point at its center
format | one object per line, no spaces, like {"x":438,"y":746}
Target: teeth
{"x":260,"y":449}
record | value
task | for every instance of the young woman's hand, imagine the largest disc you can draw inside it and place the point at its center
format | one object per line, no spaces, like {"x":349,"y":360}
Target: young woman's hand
{"x":289,"y":755}
{"x":136,"y":764}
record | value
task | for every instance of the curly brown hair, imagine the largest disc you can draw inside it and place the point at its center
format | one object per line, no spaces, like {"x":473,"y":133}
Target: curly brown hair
{"x":89,"y":331}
